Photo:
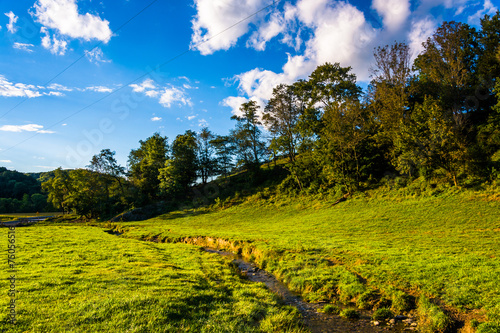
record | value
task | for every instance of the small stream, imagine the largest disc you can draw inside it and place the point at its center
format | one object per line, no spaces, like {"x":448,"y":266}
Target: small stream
{"x":317,"y":322}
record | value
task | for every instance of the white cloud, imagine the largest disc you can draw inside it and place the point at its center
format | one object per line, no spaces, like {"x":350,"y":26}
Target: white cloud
{"x":166,"y":95}
{"x":9,"y":89}
{"x":488,"y":9}
{"x":12,"y":20}
{"x":25,"y":128}
{"x":145,"y":86}
{"x":23,"y":47}
{"x":54,"y":45}
{"x":156,"y":119}
{"x":58,"y":87}
{"x":267,"y":31}
{"x":394,"y":13}
{"x":100,"y":89}
{"x":203,"y":123}
{"x":420,"y":31}
{"x":215,"y":16}
{"x":339,"y":33}
{"x":5,"y":161}
{"x":54,"y":93}
{"x":63,"y":16}
{"x":173,"y":95}
{"x":95,"y":56}
{"x":234,"y":103}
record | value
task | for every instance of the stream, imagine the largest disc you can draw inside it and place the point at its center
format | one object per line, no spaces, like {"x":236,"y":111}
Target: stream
{"x":316,"y":322}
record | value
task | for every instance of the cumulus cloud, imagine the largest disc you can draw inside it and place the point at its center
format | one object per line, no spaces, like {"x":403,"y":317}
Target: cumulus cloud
{"x":172,"y":95}
{"x":25,"y":128}
{"x":215,"y":16}
{"x":339,"y":33}
{"x":420,"y":31}
{"x":54,"y":45}
{"x":63,"y":16}
{"x":156,"y":119}
{"x":23,"y":47}
{"x":166,"y":95}
{"x":12,"y":20}
{"x":394,"y":13}
{"x":488,"y":9}
{"x":145,"y":86}
{"x":234,"y":102}
{"x":9,"y":89}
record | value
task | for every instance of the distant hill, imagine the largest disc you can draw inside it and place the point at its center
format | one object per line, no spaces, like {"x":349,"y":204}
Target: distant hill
{"x":21,"y":193}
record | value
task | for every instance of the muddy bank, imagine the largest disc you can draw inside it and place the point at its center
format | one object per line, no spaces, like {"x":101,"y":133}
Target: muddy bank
{"x":316,"y":321}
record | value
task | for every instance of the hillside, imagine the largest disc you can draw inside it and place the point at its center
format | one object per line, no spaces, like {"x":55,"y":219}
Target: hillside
{"x":436,"y":256}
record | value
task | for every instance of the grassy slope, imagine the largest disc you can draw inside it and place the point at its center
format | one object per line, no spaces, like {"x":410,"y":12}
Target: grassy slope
{"x":81,"y":279}
{"x":441,"y":247}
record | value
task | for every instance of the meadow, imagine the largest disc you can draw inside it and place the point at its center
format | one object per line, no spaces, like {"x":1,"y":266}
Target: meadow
{"x":82,"y":279}
{"x":436,"y":256}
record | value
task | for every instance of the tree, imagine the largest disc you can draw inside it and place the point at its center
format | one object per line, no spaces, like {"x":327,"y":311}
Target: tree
{"x":344,"y":144}
{"x":206,"y":161}
{"x":389,"y":95}
{"x":224,"y":149}
{"x":247,"y":135}
{"x":429,"y":142}
{"x":281,"y":117}
{"x":446,"y":66}
{"x":181,"y":171}
{"x":144,"y":164}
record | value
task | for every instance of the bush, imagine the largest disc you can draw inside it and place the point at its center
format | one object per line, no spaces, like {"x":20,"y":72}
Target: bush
{"x":382,"y":314}
{"x":349,"y":314}
{"x":431,"y":317}
{"x":366,"y":300}
{"x":488,"y":328}
{"x":331,"y":309}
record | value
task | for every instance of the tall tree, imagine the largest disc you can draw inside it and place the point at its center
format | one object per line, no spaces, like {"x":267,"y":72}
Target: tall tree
{"x":281,"y":116}
{"x":388,"y":94}
{"x":180,"y":172}
{"x":446,"y":66}
{"x":144,"y":164}
{"x":224,"y":149}
{"x":247,"y":135}
{"x":206,"y":160}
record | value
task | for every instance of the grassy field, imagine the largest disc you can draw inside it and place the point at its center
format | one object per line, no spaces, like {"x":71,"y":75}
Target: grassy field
{"x":437,"y":255}
{"x":81,"y":279}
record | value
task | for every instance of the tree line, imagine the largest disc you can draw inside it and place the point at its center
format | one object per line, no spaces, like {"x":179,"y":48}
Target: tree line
{"x":435,"y":117}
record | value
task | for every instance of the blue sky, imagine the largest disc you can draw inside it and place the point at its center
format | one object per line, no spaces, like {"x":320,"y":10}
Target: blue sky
{"x":72,"y":84}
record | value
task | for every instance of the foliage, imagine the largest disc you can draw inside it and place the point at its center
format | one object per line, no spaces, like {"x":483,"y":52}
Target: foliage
{"x":382,"y":314}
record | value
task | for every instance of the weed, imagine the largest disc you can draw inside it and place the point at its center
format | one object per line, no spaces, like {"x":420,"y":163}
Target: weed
{"x":431,"y":317}
{"x":382,"y":314}
{"x":349,"y":314}
{"x":331,"y":309}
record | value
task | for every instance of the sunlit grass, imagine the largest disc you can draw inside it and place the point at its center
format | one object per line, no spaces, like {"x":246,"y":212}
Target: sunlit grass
{"x":81,"y":279}
{"x":444,"y":247}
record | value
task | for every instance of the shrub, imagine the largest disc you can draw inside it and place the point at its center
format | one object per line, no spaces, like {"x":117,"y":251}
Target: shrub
{"x":382,"y":314}
{"x":401,"y":302}
{"x":431,"y":317}
{"x":331,"y":309}
{"x":366,"y":300}
{"x":488,"y":328}
{"x":349,"y":314}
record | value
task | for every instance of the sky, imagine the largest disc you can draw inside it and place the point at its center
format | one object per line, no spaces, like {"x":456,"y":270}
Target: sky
{"x":79,"y":76}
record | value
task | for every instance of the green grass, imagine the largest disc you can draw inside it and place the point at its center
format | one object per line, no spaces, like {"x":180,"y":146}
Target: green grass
{"x":81,"y":279}
{"x":444,"y":247}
